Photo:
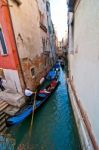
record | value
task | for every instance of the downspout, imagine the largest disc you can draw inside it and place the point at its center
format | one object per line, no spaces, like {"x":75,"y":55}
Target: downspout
{"x":20,"y":66}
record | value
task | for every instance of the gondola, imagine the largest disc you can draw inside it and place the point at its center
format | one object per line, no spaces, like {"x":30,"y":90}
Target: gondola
{"x":57,"y":66}
{"x":24,"y":113}
{"x":54,"y":72}
{"x":62,"y":64}
{"x":51,"y":75}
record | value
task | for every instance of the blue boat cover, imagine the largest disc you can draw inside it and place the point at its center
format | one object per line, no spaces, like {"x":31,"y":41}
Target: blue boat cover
{"x":42,"y":95}
{"x":57,"y":66}
{"x":51,"y":74}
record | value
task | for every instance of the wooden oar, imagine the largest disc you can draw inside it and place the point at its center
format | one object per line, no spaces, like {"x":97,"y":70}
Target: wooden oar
{"x":31,"y":125}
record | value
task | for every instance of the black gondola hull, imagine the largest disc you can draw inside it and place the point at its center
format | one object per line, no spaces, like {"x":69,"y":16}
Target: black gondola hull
{"x":21,"y":116}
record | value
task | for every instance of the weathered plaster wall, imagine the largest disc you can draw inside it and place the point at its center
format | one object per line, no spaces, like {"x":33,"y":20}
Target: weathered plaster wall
{"x":42,"y":9}
{"x":43,"y":34}
{"x":7,"y":61}
{"x":51,"y":32}
{"x":25,"y":20}
{"x":85,"y":62}
{"x":26,"y":24}
{"x":9,"y":64}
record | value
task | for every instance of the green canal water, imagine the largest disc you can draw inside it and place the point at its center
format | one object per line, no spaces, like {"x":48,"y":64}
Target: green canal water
{"x":54,"y":126}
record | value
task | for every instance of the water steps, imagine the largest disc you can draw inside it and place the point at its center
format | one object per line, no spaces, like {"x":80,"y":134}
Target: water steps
{"x":3,"y":116}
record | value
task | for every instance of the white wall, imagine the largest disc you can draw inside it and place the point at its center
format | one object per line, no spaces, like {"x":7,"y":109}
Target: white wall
{"x":85,"y":62}
{"x":12,"y":80}
{"x":51,"y":35}
{"x":42,"y":8}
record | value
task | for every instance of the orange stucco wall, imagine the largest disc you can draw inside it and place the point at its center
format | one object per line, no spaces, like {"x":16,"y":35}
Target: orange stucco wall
{"x":9,"y":61}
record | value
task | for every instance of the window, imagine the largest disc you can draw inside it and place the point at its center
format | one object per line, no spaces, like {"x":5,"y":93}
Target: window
{"x":47,"y":7}
{"x":44,"y":44}
{"x":3,"y":49}
{"x":41,"y":17}
{"x":32,"y":72}
{"x":18,"y":2}
{"x":49,"y":29}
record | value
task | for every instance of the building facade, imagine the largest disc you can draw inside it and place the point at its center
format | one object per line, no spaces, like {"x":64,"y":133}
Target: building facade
{"x":83,"y":56}
{"x":51,"y":32}
{"x":9,"y":63}
{"x":24,"y":43}
{"x":44,"y":37}
{"x":60,"y":49}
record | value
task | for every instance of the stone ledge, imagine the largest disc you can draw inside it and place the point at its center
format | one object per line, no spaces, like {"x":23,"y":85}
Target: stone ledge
{"x":12,"y":98}
{"x":10,"y":110}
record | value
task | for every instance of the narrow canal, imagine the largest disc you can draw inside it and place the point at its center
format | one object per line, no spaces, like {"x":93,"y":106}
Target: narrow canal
{"x":54,"y":126}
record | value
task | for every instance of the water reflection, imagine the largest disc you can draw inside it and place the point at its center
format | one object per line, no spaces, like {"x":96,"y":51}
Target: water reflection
{"x":7,"y":142}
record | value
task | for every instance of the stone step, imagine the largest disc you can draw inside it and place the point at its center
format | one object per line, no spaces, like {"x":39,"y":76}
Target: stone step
{"x":11,"y":111}
{"x":3,"y":131}
{"x":14,"y":99}
{"x":3,"y":115}
{"x":2,"y":121}
{"x":3,"y":118}
{"x":3,"y":106}
{"x":2,"y":127}
{"x":1,"y":101}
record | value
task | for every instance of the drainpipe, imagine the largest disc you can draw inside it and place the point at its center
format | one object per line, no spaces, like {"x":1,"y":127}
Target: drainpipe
{"x":20,"y":66}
